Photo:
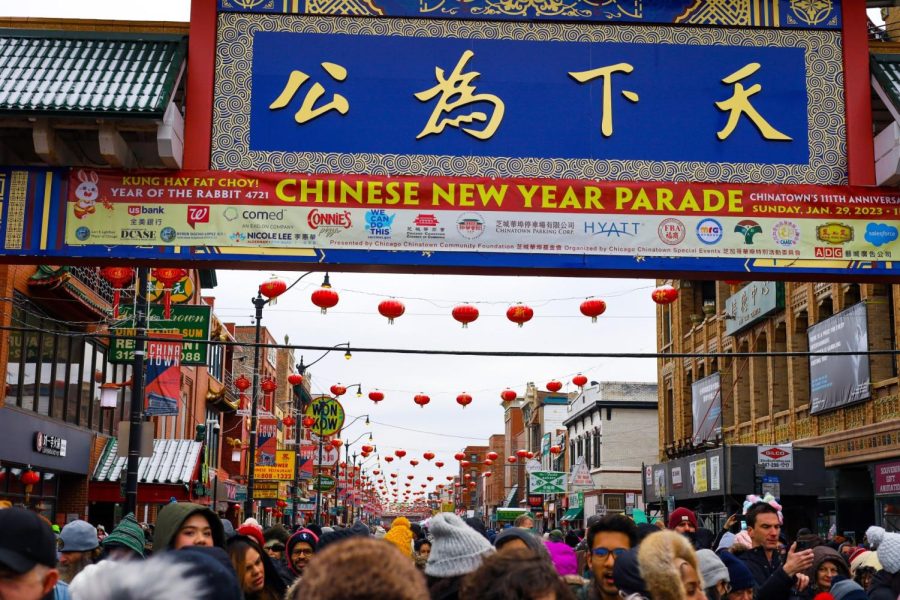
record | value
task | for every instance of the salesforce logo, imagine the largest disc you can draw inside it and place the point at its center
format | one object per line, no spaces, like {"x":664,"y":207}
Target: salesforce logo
{"x":879,"y":233}
{"x":709,"y":231}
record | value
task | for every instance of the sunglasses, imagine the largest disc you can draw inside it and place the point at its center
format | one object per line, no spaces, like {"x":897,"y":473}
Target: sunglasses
{"x":604,"y":552}
{"x":275,"y":548}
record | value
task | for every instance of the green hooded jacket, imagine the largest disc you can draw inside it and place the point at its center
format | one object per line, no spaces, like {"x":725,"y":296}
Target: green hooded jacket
{"x":172,"y":516}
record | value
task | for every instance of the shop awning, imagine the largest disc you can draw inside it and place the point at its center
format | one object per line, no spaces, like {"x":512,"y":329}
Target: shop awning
{"x":509,"y":514}
{"x":174,"y":462}
{"x":573,"y":514}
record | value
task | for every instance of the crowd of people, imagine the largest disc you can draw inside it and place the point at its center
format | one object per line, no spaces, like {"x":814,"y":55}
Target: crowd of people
{"x":193,"y":554}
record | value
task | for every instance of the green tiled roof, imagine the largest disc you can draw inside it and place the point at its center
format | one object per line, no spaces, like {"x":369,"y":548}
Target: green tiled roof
{"x":83,"y":74}
{"x":886,"y":69}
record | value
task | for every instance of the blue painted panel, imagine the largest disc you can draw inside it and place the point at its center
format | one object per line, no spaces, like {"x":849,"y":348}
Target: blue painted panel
{"x":547,"y":113}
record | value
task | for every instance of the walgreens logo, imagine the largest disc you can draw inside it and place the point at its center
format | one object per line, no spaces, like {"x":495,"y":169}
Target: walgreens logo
{"x":320,"y":218}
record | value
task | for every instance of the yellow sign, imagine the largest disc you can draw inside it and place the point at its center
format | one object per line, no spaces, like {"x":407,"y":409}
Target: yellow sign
{"x":834,"y":233}
{"x":282,"y":470}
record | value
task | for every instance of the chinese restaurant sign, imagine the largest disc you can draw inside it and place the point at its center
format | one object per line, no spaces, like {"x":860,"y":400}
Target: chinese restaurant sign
{"x":479,"y":98}
{"x":281,"y":469}
{"x":441,"y":214}
{"x":761,"y":13}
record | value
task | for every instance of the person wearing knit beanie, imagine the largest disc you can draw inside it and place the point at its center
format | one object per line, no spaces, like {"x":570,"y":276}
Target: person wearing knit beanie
{"x":846,"y":589}
{"x":358,"y":529}
{"x":299,"y":549}
{"x":739,"y":576}
{"x":874,"y":534}
{"x":713,"y":572}
{"x":400,"y":534}
{"x":254,"y":533}
{"x":683,"y":520}
{"x":457,"y":549}
{"x":126,"y":541}
{"x":889,"y":552}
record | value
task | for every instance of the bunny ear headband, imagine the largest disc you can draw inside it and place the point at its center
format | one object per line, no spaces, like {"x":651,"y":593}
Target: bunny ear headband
{"x":768,"y":499}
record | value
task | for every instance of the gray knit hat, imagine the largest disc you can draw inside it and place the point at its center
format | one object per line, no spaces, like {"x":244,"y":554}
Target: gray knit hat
{"x":712,"y":569}
{"x":874,"y":535}
{"x":457,"y":549}
{"x":889,"y":552}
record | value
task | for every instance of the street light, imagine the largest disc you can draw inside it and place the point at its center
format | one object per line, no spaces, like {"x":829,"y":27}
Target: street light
{"x":272,"y":290}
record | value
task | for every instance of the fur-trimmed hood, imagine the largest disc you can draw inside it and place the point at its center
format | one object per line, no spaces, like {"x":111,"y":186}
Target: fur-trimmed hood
{"x":658,"y":558}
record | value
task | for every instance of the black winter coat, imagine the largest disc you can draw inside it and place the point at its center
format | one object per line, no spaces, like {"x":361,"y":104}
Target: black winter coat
{"x":884,"y":586}
{"x":772,"y":583}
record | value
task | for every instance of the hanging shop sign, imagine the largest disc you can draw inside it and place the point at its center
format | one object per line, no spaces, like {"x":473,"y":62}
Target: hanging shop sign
{"x":841,"y":380}
{"x":323,"y":483}
{"x":328,"y":415}
{"x":191,"y":321}
{"x":887,"y":479}
{"x":515,"y":99}
{"x":776,"y":458}
{"x":282,"y":469}
{"x":51,"y":445}
{"x":547,"y":482}
{"x":162,"y":383}
{"x":706,"y":408}
{"x":753,"y":303}
{"x":801,"y":15}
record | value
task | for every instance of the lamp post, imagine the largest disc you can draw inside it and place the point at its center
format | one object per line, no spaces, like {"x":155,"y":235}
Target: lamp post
{"x":271,"y":292}
{"x":347,"y":454}
{"x":136,"y":414}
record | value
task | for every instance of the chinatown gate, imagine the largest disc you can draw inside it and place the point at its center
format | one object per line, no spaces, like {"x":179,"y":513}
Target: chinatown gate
{"x":597,"y":138}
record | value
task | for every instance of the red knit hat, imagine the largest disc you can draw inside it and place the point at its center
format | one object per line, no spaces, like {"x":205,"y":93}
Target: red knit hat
{"x":679,"y":515}
{"x":252,"y":532}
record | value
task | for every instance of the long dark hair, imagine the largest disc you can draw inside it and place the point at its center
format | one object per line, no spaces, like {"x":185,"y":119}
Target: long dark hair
{"x":274,"y":587}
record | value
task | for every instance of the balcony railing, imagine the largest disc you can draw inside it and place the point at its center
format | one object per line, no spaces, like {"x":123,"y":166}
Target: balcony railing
{"x":90,"y":277}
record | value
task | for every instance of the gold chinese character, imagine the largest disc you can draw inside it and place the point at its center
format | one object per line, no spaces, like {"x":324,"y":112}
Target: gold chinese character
{"x":606,"y":125}
{"x":307,"y":111}
{"x":459,"y":86}
{"x":739,"y":104}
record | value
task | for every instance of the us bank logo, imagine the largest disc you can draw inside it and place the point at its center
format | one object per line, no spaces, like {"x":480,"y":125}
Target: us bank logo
{"x":709,"y":231}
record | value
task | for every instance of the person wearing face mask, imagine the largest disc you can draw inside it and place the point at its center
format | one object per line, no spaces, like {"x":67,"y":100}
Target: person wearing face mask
{"x":182,"y":524}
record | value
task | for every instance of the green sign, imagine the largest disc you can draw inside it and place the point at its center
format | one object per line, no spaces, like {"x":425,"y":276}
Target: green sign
{"x":190,"y":320}
{"x":752,"y":303}
{"x":547,"y":482}
{"x":328,"y":414}
{"x":324,"y":483}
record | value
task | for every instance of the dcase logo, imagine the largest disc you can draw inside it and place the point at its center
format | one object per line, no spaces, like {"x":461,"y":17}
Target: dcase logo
{"x":828,"y":252}
{"x":834,"y":233}
{"x":318,"y":218}
{"x":709,"y":231}
{"x":671,"y":232}
{"x":470,"y":225}
{"x":786,"y":233}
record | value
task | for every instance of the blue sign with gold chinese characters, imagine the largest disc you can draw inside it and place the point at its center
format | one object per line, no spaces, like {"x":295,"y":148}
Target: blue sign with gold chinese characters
{"x":761,"y":13}
{"x":397,"y":97}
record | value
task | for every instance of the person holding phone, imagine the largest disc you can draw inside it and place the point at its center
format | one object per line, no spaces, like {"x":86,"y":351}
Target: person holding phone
{"x":774,"y":579}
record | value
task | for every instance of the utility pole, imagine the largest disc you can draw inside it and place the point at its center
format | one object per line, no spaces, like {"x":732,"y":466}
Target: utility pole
{"x":137,"y":393}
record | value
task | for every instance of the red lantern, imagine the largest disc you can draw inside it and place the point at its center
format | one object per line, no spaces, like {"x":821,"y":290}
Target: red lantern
{"x":580,"y":380}
{"x":376,"y":396}
{"x":488,"y":462}
{"x":421,"y":399}
{"x":389,"y":458}
{"x":413,"y":462}
{"x":664,"y":294}
{"x":428,"y":455}
{"x":272,"y":288}
{"x":487,"y":473}
{"x":376,"y":472}
{"x":510,"y":459}
{"x":289,"y":421}
{"x":280,"y":503}
{"x":29,"y":477}
{"x":519,"y":314}
{"x":438,"y":464}
{"x":295,"y":379}
{"x":508,"y":395}
{"x":530,"y":455}
{"x":367,"y":449}
{"x":391,"y":309}
{"x":522,"y":453}
{"x":467,"y":476}
{"x":338,"y":390}
{"x":472,"y":484}
{"x":593,"y":308}
{"x":555,"y":449}
{"x":336,"y":443}
{"x":464,"y":464}
{"x":493,"y":455}
{"x":308,"y":422}
{"x":410,"y":477}
{"x":459,"y":456}
{"x":400,"y":453}
{"x":242,"y":383}
{"x":118,"y":277}
{"x":554,"y":385}
{"x":325,"y":298}
{"x":268,"y":385}
{"x":430,"y":478}
{"x":464,"y":399}
{"x":168,"y":276}
{"x":465,"y":314}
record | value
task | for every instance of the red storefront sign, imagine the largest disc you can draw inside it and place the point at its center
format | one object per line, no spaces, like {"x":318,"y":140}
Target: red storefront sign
{"x":887,"y":479}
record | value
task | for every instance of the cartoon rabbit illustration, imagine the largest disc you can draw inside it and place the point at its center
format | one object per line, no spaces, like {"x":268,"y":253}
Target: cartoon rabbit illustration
{"x":87,"y":194}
